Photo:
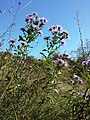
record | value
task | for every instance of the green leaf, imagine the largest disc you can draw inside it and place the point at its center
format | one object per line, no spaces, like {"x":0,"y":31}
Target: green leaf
{"x":18,"y":47}
{"x":51,"y":52}
{"x":20,"y":37}
{"x":19,"y":53}
{"x":44,"y":50}
{"x":43,"y":54}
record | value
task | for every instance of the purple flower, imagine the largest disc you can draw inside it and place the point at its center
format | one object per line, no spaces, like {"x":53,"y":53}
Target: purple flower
{"x":66,"y":55}
{"x":84,"y":63}
{"x":43,"y":20}
{"x":29,"y":16}
{"x":40,"y":32}
{"x":23,"y":42}
{"x":59,"y":27}
{"x":66,"y":34}
{"x":60,"y":55}
{"x":63,"y":43}
{"x":78,"y":78}
{"x":88,"y":62}
{"x":51,"y":28}
{"x":36,"y":27}
{"x":59,"y":61}
{"x":80,"y":94}
{"x":34,"y":13}
{"x":54,"y":32}
{"x":12,"y":40}
{"x":23,"y":62}
{"x":65,"y":64}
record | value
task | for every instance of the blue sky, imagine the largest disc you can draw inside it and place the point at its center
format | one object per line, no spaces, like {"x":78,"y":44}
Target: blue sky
{"x":58,"y":12}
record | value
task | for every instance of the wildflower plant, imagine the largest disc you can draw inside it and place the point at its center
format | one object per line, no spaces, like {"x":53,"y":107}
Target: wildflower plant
{"x":79,"y":96}
{"x":31,"y":31}
{"x":55,"y":41}
{"x":86,"y":74}
{"x":30,"y":83}
{"x":11,"y":44}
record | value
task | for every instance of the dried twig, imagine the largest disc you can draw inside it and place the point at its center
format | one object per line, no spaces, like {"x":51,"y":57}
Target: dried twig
{"x":12,"y":24}
{"x":80,"y":32}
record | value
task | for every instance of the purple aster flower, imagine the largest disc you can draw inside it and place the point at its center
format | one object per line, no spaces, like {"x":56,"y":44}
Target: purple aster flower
{"x":40,"y":33}
{"x":40,"y":19}
{"x":29,"y":16}
{"x":75,"y":76}
{"x":43,"y":20}
{"x":23,"y":42}
{"x":36,"y":27}
{"x":47,"y":38}
{"x":66,"y":55}
{"x":60,"y":55}
{"x":54,"y":32}
{"x":59,"y":61}
{"x":59,"y":27}
{"x":88,"y":62}
{"x":34,"y":13}
{"x":78,"y":78}
{"x":80,"y":94}
{"x":63,"y":43}
{"x":65,"y":64}
{"x":23,"y":62}
{"x":12,"y":40}
{"x":84,"y":63}
{"x":51,"y":28}
{"x":66,"y":34}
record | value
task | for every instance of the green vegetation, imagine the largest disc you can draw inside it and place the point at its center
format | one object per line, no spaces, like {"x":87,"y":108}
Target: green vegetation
{"x":53,"y":88}
{"x":28,"y":92}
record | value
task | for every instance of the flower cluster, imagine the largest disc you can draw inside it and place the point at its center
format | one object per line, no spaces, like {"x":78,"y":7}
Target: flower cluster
{"x":64,"y":56}
{"x":58,"y":36}
{"x":31,"y":31}
{"x":35,"y":23}
{"x":61,"y":62}
{"x":58,"y":30}
{"x":87,"y":62}
{"x":12,"y":40}
{"x":78,"y":79}
{"x":23,"y":42}
{"x":85,"y":96}
{"x":55,"y":29}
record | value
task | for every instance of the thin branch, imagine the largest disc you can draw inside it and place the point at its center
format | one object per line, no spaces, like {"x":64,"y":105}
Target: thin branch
{"x":80,"y":32}
{"x":12,"y":24}
{"x":3,"y":94}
